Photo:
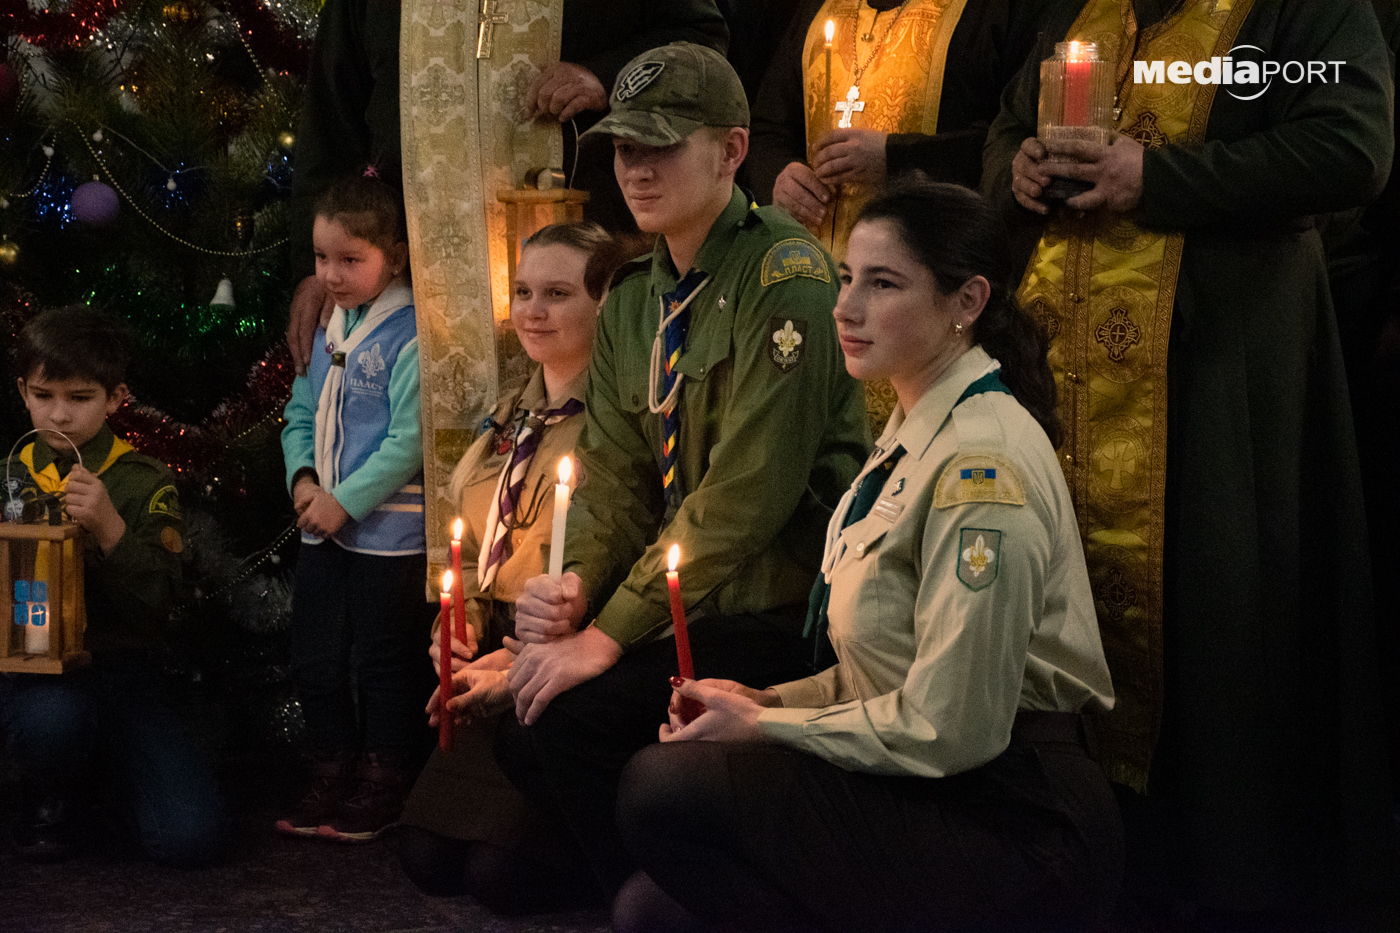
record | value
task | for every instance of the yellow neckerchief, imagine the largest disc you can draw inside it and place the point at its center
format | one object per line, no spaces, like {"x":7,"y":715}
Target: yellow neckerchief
{"x":898,"y":72}
{"x":1104,"y":288}
{"x":48,"y":481}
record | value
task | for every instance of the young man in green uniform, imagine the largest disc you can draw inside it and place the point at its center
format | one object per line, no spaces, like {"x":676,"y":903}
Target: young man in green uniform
{"x":734,"y":443}
{"x":71,"y":374}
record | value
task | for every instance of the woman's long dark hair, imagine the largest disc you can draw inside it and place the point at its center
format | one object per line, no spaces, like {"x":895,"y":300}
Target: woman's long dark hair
{"x":956,"y":235}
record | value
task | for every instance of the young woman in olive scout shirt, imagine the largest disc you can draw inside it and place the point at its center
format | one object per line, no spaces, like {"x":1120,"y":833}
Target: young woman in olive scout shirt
{"x":938,"y":773}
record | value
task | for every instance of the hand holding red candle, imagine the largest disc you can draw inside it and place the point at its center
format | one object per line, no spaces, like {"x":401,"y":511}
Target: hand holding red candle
{"x":689,"y":708}
{"x":445,"y":663}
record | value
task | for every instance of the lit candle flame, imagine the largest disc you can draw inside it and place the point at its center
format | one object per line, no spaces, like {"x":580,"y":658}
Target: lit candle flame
{"x":447,"y":581}
{"x":674,"y":558}
{"x":456,"y":532}
{"x":566,"y":470}
{"x":1074,"y":51}
{"x":830,"y":30}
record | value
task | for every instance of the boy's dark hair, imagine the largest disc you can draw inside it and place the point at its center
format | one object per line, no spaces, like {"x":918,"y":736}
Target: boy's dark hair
{"x":76,"y":341}
{"x":368,"y":208}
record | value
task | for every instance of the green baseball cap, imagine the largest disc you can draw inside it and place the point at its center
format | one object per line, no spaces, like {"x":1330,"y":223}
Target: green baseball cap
{"x":662,"y":96}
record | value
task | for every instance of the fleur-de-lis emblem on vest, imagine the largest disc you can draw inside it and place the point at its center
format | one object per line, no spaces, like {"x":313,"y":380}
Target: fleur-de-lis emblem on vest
{"x":371,"y":362}
{"x":979,"y":556}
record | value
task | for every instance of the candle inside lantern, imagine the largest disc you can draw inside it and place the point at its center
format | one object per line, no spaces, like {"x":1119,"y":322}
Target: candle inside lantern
{"x":830,"y":34}
{"x":445,"y":664}
{"x":1079,"y":86}
{"x":32,"y":611}
{"x":561,"y":511}
{"x":689,"y":708}
{"x":459,"y":602}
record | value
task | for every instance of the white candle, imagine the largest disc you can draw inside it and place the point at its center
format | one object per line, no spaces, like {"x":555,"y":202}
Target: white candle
{"x":561,"y":512}
{"x":36,"y":612}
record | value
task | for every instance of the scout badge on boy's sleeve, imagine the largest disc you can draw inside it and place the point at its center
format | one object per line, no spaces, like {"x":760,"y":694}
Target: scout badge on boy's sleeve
{"x":788,"y":259}
{"x":979,"y":551}
{"x":785,"y":348}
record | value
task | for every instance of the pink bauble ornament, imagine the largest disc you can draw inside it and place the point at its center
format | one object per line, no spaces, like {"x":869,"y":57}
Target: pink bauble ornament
{"x":95,"y":204}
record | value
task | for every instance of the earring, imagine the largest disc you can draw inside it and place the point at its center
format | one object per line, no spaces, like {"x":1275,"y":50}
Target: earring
{"x":957,"y":327}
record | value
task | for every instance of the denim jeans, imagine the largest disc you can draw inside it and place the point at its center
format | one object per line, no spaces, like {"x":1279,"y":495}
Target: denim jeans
{"x":109,"y":728}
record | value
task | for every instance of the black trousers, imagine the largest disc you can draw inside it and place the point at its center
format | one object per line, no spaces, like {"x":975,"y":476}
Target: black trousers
{"x":569,"y":762}
{"x":360,"y":627}
{"x":757,"y":834}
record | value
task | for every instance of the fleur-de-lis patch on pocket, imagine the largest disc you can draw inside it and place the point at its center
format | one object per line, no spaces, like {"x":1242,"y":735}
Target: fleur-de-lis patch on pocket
{"x":979,"y":552}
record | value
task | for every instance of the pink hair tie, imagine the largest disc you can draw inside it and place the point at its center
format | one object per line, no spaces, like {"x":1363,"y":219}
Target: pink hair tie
{"x":371,"y":172}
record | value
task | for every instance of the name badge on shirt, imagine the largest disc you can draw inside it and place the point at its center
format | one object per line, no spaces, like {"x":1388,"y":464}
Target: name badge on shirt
{"x":887,"y":508}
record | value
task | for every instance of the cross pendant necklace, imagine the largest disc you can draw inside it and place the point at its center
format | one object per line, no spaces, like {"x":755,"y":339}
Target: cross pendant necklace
{"x":489,"y":19}
{"x":851,"y":105}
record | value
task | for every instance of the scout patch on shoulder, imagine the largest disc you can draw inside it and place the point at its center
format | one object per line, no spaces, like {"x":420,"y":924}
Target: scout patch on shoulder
{"x":785,"y":347}
{"x":165,"y":501}
{"x":170,"y":540}
{"x":979,"y":478}
{"x":979,"y":554}
{"x":788,"y":259}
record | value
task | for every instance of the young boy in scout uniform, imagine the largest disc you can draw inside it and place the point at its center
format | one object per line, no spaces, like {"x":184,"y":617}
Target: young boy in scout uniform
{"x":71,"y":364}
{"x":720,"y":418}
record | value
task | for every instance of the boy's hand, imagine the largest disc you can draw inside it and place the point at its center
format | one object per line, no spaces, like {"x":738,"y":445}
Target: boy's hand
{"x":89,"y":505}
{"x":303,"y":492}
{"x":323,"y":516}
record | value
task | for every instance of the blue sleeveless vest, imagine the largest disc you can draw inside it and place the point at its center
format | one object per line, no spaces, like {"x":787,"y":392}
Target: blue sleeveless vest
{"x":395,"y":527}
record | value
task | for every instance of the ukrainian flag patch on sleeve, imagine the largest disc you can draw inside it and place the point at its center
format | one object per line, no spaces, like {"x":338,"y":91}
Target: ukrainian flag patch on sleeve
{"x":791,"y":258}
{"x":979,"y":478}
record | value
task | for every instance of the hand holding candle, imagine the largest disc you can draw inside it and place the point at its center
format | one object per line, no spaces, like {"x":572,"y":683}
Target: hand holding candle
{"x":689,"y":708}
{"x":561,"y":512}
{"x":459,"y":602}
{"x":445,"y":664}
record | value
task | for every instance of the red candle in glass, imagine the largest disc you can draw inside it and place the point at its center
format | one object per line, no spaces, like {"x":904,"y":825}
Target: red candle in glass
{"x":1079,"y":87}
{"x":445,"y":664}
{"x":459,"y":602}
{"x":689,"y":708}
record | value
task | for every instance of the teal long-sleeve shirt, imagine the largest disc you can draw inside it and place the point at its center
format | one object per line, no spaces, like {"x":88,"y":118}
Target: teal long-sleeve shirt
{"x":398,"y":458}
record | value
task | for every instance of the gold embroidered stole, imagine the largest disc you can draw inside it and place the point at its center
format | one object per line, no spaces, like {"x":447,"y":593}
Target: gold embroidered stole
{"x":49,"y":482}
{"x":1104,"y":289}
{"x":901,"y":87}
{"x":464,"y":66}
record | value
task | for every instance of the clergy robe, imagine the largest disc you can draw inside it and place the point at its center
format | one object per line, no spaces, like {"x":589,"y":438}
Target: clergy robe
{"x":1266,"y":788}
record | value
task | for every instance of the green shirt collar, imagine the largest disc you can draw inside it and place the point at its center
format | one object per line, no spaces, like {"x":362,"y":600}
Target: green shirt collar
{"x":723,"y":232}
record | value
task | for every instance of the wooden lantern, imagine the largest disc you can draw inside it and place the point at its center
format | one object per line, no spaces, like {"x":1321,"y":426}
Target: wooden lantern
{"x":529,"y":209}
{"x":64,"y":615}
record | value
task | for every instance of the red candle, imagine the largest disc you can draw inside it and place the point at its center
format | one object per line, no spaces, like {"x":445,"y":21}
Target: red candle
{"x":1079,"y":86}
{"x":689,"y":708}
{"x":445,"y":664}
{"x":459,"y":616}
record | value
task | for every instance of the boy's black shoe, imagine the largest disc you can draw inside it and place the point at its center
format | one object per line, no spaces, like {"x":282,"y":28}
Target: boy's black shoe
{"x":376,"y":804}
{"x":332,"y":780}
{"x":44,"y":831}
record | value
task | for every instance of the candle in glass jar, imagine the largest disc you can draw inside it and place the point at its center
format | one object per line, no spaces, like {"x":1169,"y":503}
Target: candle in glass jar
{"x":1079,"y":86}
{"x":561,"y":511}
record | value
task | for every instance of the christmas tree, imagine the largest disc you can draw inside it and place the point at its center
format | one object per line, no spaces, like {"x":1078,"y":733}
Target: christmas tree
{"x":145,"y":167}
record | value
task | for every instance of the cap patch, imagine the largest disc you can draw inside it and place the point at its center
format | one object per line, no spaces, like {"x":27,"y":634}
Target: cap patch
{"x":636,"y":80}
